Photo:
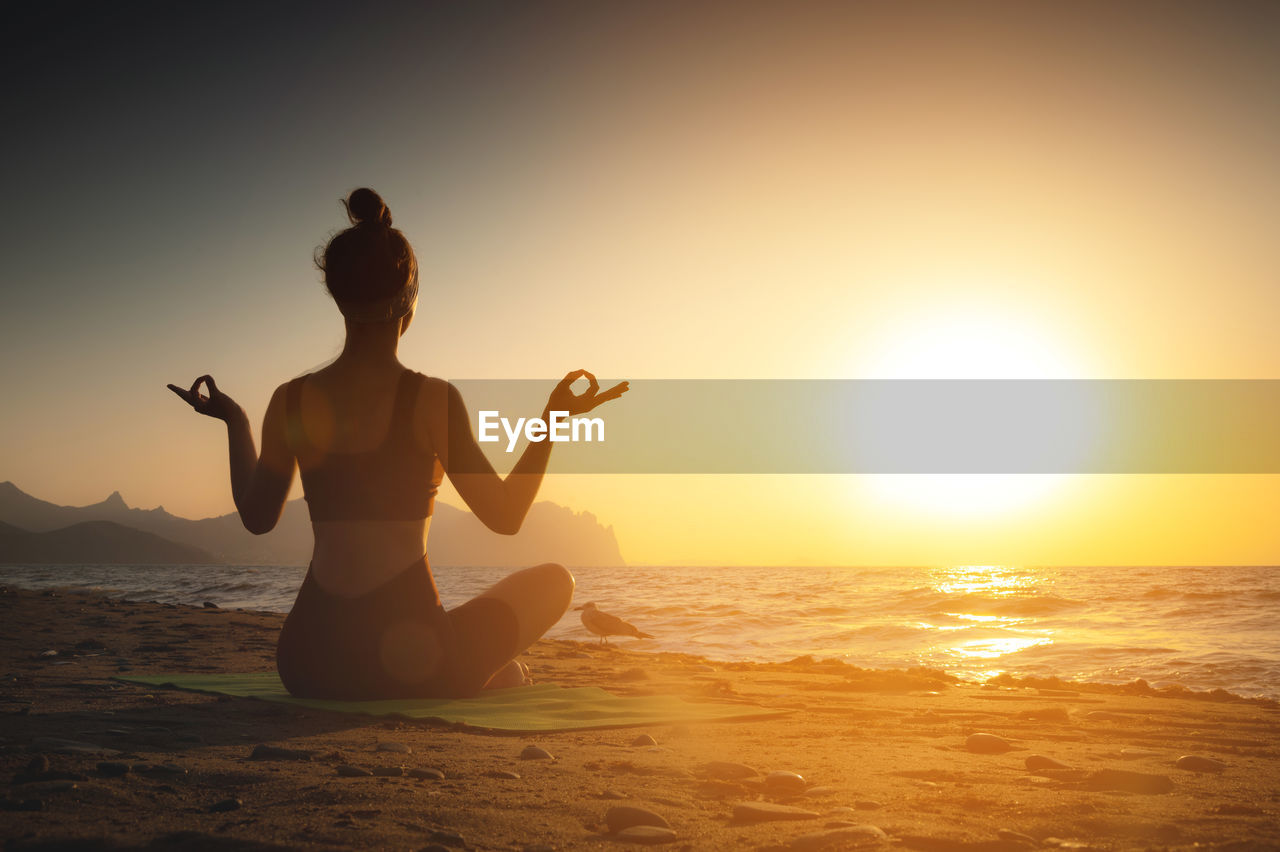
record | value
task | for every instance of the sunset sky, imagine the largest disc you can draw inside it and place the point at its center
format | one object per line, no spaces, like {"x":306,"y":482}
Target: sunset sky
{"x":655,"y":191}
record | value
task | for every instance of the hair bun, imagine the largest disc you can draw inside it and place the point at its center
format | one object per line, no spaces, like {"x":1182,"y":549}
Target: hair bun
{"x":365,"y":207}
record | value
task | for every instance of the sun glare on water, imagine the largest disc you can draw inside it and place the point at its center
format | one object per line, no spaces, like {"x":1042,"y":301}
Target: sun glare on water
{"x":977,"y":592}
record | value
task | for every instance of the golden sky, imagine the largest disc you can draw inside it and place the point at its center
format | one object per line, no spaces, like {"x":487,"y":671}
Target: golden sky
{"x":674,"y":191}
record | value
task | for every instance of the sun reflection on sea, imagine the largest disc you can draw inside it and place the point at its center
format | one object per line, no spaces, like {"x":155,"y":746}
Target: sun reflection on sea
{"x":978,"y":597}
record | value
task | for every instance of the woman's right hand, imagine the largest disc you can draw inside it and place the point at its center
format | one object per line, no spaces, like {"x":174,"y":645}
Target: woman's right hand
{"x":564,"y":399}
{"x":217,"y":404}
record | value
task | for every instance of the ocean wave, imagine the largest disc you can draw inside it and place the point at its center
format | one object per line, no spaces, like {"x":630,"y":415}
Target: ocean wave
{"x":1215,"y":630}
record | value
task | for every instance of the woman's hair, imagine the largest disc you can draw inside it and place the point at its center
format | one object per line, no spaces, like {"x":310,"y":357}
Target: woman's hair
{"x":370,"y":260}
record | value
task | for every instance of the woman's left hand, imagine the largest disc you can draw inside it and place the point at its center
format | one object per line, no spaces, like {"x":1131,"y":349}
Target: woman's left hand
{"x":217,"y":404}
{"x":564,"y":399}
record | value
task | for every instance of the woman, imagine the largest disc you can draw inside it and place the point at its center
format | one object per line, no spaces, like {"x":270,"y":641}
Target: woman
{"x":372,"y":441}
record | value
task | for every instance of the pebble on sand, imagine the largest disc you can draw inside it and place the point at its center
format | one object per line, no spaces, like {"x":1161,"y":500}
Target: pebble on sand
{"x":840,"y":838}
{"x":388,"y":771}
{"x":783,"y":780}
{"x":428,"y":774}
{"x":399,"y":748}
{"x":644,"y":740}
{"x":1107,"y":716}
{"x":534,"y":752}
{"x":987,"y":744}
{"x":620,"y":817}
{"x":113,"y":768}
{"x":224,"y":805}
{"x":348,"y":771}
{"x":262,"y":751}
{"x":1039,"y":761}
{"x":1198,"y":763}
{"x":505,"y":774}
{"x":646,"y":834}
{"x":768,"y":812}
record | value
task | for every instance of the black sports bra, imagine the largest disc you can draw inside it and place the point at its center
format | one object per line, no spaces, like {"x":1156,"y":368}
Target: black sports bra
{"x":395,"y":482}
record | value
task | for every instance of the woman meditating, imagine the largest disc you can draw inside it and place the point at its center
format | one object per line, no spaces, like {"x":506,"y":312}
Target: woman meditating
{"x":372,"y":441}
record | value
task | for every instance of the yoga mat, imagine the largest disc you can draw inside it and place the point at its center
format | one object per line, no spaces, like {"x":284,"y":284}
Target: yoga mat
{"x":541,"y":707}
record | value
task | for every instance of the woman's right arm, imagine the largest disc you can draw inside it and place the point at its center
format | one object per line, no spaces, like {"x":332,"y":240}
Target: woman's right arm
{"x":501,"y":504}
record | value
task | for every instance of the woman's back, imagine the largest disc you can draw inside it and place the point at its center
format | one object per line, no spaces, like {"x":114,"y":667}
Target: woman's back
{"x":369,"y":481}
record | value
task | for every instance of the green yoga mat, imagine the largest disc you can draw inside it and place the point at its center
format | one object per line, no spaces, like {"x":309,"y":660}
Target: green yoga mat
{"x":542,"y":707}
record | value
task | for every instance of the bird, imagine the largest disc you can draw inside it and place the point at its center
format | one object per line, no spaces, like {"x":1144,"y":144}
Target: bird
{"x":604,"y":625}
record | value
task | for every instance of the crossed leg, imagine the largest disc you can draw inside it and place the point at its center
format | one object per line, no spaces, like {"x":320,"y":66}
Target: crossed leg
{"x":508,"y":617}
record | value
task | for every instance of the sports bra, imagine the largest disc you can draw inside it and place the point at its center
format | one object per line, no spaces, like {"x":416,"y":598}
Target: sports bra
{"x":397,"y":481}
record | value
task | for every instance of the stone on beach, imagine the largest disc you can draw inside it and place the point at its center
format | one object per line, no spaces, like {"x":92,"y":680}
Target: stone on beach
{"x":222,"y":806}
{"x":644,"y":740}
{"x":843,"y":837}
{"x":427,"y":774}
{"x":263,"y":751}
{"x":534,"y":752}
{"x":112,"y":768}
{"x":348,"y":771}
{"x":625,"y":816}
{"x":782,"y":780}
{"x":1107,"y":716}
{"x":1039,"y":761}
{"x":982,"y":743}
{"x":1198,"y":763}
{"x":1137,"y":753}
{"x":646,"y":834}
{"x":769,"y":812}
{"x":388,"y":771}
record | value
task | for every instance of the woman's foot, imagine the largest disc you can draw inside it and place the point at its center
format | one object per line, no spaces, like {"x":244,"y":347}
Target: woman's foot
{"x":514,"y":673}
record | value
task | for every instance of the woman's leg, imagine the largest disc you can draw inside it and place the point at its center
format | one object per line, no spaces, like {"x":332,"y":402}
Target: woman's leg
{"x":538,"y":597}
{"x":501,"y":622}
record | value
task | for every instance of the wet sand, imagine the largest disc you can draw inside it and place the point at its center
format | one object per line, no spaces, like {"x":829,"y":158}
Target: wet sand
{"x":883,"y":759}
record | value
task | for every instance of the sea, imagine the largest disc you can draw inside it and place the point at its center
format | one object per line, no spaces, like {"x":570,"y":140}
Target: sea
{"x":1201,"y":628}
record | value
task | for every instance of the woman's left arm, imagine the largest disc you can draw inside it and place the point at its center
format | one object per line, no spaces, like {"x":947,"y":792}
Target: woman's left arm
{"x":259,"y":485}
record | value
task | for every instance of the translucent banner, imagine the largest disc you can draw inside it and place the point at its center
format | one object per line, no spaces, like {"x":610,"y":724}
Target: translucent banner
{"x":892,"y":426}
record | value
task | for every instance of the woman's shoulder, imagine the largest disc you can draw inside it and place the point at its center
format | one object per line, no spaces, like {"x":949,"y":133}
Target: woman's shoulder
{"x":432,"y":384}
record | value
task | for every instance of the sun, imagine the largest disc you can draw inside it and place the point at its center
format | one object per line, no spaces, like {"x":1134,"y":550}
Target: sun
{"x":974,"y":342}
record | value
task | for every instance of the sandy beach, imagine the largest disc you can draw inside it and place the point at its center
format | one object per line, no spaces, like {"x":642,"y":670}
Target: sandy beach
{"x":867,"y":759}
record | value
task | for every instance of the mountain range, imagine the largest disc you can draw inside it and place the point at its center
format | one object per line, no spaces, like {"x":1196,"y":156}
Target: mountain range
{"x":111,"y":532}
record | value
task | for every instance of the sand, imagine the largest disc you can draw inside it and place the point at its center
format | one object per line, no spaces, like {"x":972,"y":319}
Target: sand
{"x":885,"y":759}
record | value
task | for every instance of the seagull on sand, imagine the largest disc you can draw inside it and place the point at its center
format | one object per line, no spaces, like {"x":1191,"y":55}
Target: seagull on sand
{"x":603,"y":624}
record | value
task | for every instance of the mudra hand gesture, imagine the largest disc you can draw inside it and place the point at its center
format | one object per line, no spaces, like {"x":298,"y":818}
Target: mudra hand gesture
{"x":564,"y":399}
{"x":217,"y":404}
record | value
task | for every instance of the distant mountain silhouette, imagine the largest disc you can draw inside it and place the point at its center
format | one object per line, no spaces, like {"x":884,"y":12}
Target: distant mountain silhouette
{"x":94,"y":542}
{"x":551,"y":533}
